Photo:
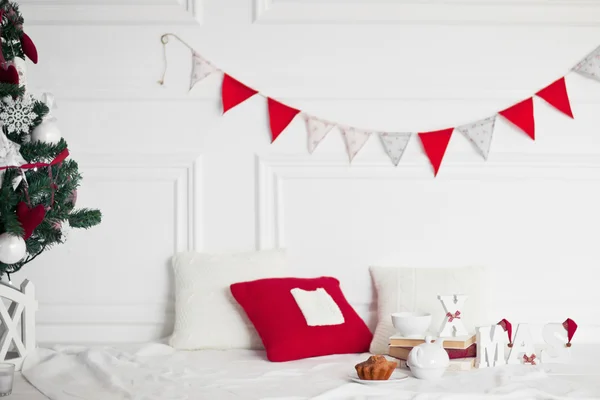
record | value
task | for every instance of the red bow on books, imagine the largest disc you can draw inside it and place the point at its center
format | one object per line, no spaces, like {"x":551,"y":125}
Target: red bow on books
{"x":529,"y":360}
{"x":452,"y":316}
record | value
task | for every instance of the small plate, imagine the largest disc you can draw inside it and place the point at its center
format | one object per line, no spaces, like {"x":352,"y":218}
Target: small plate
{"x":395,"y":378}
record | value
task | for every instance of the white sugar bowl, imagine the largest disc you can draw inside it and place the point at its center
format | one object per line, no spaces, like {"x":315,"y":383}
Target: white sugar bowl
{"x":428,"y":360}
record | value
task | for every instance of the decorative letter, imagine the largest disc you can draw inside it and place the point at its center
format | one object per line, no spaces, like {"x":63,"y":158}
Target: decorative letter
{"x":558,"y":337}
{"x":522,"y":351}
{"x":453,"y":325}
{"x":490,"y":346}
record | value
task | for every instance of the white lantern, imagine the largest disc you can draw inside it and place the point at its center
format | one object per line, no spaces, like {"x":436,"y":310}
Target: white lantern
{"x":12,"y":248}
{"x":46,"y":132}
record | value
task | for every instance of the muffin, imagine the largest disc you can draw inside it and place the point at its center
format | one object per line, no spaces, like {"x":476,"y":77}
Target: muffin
{"x":376,"y":368}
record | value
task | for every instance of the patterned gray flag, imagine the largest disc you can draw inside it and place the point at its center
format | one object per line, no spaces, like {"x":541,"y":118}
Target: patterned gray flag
{"x":317,"y":130}
{"x":590,"y":65}
{"x":355,"y":139}
{"x":395,"y":144}
{"x":480,"y":134}
{"x":200,"y":69}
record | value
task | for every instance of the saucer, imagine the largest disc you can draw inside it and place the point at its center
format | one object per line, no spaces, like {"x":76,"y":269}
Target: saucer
{"x":395,"y":378}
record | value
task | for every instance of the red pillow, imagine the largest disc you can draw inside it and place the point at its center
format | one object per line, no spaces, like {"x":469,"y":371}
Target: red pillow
{"x":281,"y":325}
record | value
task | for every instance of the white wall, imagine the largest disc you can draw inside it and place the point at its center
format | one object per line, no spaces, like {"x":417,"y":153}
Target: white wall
{"x":170,"y":173}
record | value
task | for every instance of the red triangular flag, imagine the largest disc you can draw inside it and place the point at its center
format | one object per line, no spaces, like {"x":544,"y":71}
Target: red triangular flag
{"x":570,"y":327}
{"x":521,"y":114}
{"x":234,"y":92}
{"x":507,"y":328}
{"x":280,"y":117}
{"x":435,"y":144}
{"x":556,"y":95}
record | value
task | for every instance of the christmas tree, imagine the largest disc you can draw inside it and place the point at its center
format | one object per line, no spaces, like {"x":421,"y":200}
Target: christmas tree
{"x":38,"y":182}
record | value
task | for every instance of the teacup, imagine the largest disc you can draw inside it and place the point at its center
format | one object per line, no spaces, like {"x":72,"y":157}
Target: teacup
{"x":411,"y":324}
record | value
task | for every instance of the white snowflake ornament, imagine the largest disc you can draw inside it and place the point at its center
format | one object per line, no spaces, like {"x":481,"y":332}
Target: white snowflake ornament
{"x":17,"y":115}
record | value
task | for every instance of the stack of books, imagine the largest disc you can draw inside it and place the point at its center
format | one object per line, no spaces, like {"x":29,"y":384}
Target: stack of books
{"x":462,"y":350}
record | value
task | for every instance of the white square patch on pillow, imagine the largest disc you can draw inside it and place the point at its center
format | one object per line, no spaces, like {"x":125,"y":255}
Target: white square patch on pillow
{"x":318,"y":307}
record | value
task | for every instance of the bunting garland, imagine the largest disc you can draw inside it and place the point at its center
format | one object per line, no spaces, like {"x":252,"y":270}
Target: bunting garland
{"x":395,"y":144}
{"x":316,"y":130}
{"x":521,"y":115}
{"x":280,"y":117}
{"x":355,"y":139}
{"x":234,"y":92}
{"x":434,"y":143}
{"x":480,"y":134}
{"x":201,"y":69}
{"x":556,"y":95}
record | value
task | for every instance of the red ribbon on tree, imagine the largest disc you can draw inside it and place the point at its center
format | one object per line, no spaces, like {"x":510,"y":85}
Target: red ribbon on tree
{"x":451,"y":316}
{"x":507,"y":326}
{"x":570,"y":327}
{"x":57,"y":160}
{"x":529,"y":360}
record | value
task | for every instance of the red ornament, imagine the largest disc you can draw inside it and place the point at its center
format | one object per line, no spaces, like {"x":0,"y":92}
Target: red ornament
{"x":280,"y":117}
{"x":435,"y":144}
{"x":529,"y":360}
{"x":556,"y":95}
{"x":9,"y":75}
{"x":30,"y":218}
{"x":507,"y":328}
{"x":570,"y":326}
{"x":521,"y":114}
{"x":452,"y":317}
{"x":234,"y":92}
{"x":29,"y":48}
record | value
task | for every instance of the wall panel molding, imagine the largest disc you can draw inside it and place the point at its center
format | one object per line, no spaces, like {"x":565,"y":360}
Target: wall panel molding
{"x":272,"y":173}
{"x":463,"y":12}
{"x":120,"y":323}
{"x":130,"y":12}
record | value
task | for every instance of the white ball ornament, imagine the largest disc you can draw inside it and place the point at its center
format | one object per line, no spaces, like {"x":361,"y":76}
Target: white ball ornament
{"x":46,"y":132}
{"x":12,"y":248}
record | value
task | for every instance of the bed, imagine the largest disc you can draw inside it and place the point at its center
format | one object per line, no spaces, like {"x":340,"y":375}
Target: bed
{"x":157,"y":371}
{"x":240,"y":302}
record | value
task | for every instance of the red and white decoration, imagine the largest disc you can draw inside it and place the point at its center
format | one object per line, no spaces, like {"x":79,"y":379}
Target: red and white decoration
{"x":434,"y":143}
{"x":453,"y":324}
{"x":492,"y":342}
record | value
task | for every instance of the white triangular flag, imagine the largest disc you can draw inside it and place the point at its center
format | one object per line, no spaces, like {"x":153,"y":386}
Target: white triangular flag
{"x":590,"y":65}
{"x":480,"y":134}
{"x":395,"y":144}
{"x":201,"y":68}
{"x":316,"y":130}
{"x":10,"y":156}
{"x":355,"y":140}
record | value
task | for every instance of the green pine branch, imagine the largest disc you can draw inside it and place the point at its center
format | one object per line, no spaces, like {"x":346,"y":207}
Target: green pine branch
{"x":8,"y":89}
{"x":85,"y":218}
{"x":51,"y":186}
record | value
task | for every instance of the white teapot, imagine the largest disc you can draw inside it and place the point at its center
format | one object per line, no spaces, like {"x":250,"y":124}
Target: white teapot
{"x":428,"y":360}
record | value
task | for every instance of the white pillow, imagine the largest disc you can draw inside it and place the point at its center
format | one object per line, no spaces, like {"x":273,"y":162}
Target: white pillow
{"x":206,"y":314}
{"x":416,"y":289}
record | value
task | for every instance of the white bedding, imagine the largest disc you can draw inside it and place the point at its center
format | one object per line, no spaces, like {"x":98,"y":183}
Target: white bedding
{"x":158,"y":372}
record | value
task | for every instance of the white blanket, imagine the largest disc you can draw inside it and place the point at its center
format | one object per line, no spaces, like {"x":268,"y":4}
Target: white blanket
{"x":158,"y":372}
